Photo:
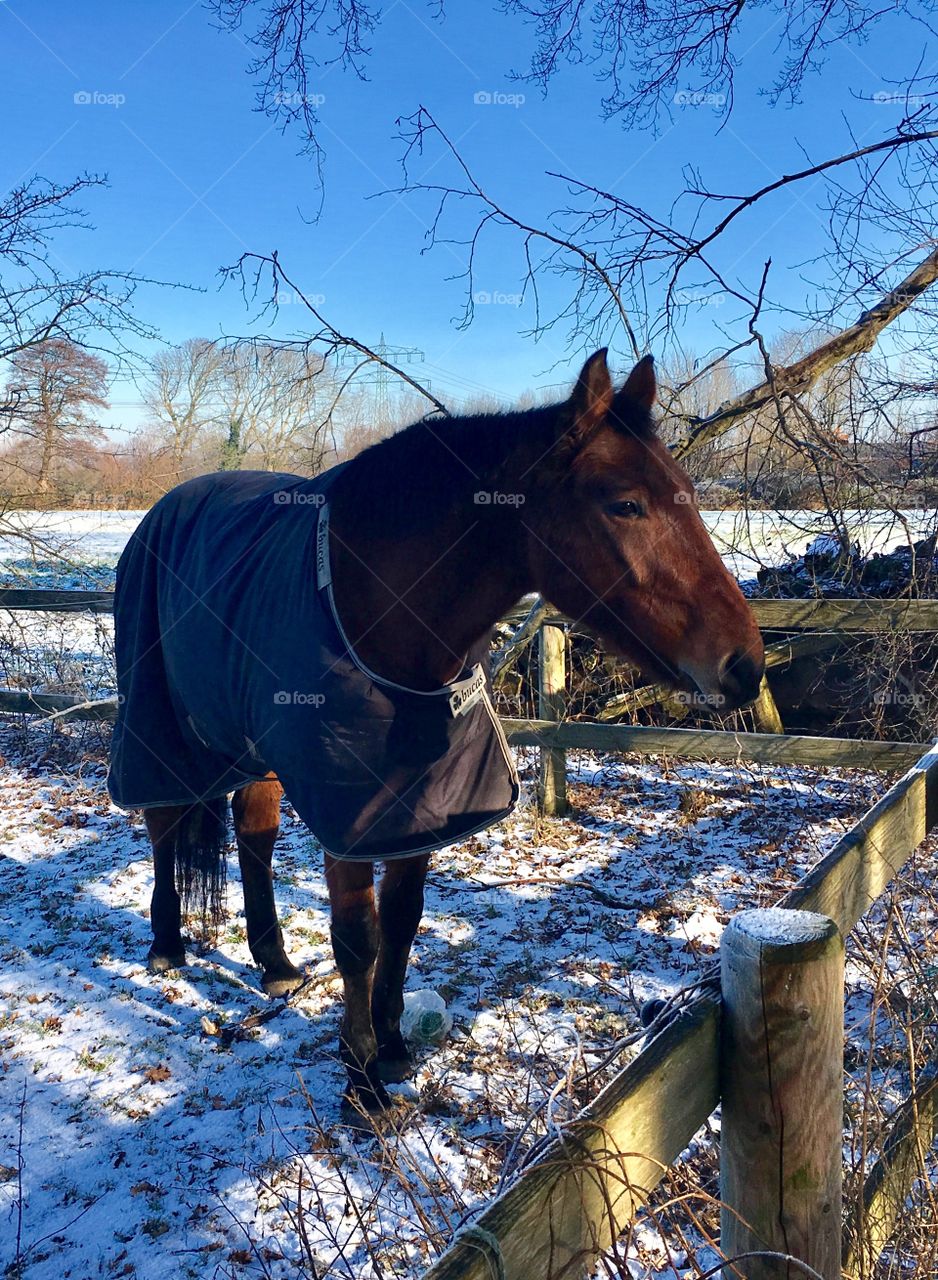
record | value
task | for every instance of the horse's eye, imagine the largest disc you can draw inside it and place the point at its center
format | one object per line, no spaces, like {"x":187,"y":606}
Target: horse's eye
{"x":627,"y":509}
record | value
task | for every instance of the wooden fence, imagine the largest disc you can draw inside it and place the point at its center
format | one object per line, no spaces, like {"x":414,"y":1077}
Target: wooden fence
{"x":576,"y":1199}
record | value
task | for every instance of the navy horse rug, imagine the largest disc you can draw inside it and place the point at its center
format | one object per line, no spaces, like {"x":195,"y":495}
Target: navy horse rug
{"x":233,"y":664}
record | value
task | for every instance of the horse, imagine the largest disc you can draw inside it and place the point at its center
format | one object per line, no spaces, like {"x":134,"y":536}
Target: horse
{"x":411,"y":552}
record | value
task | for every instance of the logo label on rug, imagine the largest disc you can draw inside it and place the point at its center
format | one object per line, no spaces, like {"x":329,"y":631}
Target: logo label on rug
{"x":467,"y":692}
{"x":323,"y":569}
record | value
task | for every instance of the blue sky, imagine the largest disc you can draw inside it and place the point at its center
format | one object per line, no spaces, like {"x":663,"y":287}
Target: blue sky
{"x":198,"y":177}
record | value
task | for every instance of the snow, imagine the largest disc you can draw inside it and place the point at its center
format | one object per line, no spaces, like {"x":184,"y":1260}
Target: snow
{"x":91,"y":536}
{"x":748,"y":540}
{"x":825,"y":544}
{"x":745,"y":539}
{"x":773,"y":926}
{"x":147,"y":1147}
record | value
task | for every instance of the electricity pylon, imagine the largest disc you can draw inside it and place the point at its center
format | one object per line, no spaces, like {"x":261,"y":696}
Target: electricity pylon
{"x":378,"y":376}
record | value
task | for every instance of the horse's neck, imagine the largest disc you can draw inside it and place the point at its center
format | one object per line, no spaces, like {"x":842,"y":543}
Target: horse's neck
{"x":413,"y":602}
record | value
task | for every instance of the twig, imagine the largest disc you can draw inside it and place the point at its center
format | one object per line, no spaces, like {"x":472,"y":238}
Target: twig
{"x":18,"y":1260}
{"x":607,"y":899}
{"x":229,"y":1035}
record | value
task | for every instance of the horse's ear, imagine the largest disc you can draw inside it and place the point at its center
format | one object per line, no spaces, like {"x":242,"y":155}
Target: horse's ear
{"x":641,"y":385}
{"x":593,"y":394}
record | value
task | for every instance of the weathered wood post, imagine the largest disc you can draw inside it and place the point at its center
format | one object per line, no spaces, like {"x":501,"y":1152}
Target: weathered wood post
{"x":551,"y":699}
{"x":765,"y":712}
{"x":781,"y":1070}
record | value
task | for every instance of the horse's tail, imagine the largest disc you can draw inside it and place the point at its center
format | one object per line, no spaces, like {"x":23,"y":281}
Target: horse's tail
{"x":200,"y":848}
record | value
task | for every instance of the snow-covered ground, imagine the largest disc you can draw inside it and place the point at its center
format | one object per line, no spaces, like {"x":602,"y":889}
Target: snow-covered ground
{"x":88,"y":543}
{"x":134,"y":1144}
{"x":63,"y":549}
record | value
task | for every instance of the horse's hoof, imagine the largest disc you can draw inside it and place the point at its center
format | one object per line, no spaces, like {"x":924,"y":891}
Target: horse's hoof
{"x":163,"y":961}
{"x":283,"y":981}
{"x":363,"y":1107}
{"x":357,"y":1118}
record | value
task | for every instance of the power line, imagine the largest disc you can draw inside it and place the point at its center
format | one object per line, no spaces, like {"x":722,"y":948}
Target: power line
{"x":378,"y":375}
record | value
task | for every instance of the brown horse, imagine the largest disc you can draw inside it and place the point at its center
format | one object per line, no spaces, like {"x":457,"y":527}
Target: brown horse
{"x":435,"y":533}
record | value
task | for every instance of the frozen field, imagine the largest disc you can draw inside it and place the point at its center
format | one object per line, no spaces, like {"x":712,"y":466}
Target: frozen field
{"x":90,"y":542}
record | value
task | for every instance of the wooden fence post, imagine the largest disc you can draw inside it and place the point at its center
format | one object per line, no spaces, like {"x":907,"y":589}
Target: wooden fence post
{"x":765,"y":714}
{"x":551,"y":700}
{"x":781,"y":1071}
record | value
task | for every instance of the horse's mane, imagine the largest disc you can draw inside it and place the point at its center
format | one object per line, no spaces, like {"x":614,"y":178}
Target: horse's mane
{"x":424,"y":468}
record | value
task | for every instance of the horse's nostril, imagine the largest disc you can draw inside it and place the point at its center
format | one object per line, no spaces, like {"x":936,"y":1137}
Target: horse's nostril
{"x":740,"y":676}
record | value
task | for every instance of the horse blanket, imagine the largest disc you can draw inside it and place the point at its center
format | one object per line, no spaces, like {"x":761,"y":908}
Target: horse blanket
{"x":232,"y":664}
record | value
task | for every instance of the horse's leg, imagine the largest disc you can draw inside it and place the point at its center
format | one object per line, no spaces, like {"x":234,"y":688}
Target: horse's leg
{"x":256,"y":811}
{"x":400,"y":907}
{"x":167,"y":950}
{"x":355,"y":943}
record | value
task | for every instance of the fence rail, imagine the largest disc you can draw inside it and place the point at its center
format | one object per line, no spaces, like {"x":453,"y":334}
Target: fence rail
{"x":855,"y":616}
{"x":715,"y":744}
{"x":16,"y":598}
{"x":851,"y":616}
{"x":579,"y":1196}
{"x":585,"y":735}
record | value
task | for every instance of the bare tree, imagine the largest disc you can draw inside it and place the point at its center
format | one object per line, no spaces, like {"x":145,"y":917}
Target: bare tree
{"x":270,"y":399}
{"x":652,"y":56}
{"x":293,"y":40}
{"x":41,"y":303}
{"x":55,"y":386}
{"x":649,"y":53}
{"x":180,"y":391}
{"x":37,"y":300}
{"x":237,"y":403}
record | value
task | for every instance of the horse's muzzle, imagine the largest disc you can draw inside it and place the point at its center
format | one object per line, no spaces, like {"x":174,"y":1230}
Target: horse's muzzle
{"x":740,"y":676}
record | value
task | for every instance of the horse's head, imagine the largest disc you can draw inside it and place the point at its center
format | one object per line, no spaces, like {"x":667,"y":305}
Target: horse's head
{"x":616,"y":541}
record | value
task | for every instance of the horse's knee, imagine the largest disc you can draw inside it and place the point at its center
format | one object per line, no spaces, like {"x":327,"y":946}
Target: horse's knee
{"x":165,"y":909}
{"x":168,"y":950}
{"x":354,"y":921}
{"x":256,"y":812}
{"x":401,"y":907}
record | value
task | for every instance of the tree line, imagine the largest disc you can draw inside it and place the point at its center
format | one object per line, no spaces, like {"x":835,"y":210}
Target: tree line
{"x":211,"y":406}
{"x":207,"y":406}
